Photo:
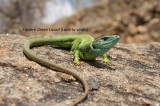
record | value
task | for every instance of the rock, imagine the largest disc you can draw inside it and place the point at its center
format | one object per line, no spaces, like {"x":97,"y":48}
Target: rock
{"x":8,"y":6}
{"x":154,"y":27}
{"x":142,"y":29}
{"x":132,"y":79}
{"x":9,"y":19}
{"x":4,"y":23}
{"x":132,"y":29}
{"x":32,"y":12}
{"x":126,"y":18}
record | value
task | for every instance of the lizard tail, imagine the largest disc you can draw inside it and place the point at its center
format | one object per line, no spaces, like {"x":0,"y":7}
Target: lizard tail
{"x":32,"y":56}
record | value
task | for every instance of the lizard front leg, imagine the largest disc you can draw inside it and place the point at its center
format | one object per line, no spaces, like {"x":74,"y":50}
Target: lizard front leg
{"x":105,"y":59}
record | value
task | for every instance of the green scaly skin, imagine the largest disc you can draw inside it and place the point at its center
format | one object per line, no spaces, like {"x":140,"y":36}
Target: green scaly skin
{"x":82,"y":47}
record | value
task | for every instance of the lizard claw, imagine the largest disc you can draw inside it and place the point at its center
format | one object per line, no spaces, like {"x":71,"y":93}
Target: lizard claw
{"x":71,"y":52}
{"x":107,"y":62}
{"x":78,"y":63}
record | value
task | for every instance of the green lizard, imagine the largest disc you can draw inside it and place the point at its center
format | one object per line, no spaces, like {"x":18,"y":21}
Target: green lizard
{"x":82,"y":47}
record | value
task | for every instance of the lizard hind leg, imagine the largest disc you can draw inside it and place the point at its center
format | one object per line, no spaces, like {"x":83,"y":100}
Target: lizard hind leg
{"x":76,"y":57}
{"x":75,"y":45}
{"x":75,"y":51}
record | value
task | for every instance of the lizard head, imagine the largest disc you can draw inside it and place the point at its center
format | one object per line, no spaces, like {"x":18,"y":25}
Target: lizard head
{"x":105,"y":42}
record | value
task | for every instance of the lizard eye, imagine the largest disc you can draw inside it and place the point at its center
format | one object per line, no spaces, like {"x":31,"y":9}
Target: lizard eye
{"x":116,"y":36}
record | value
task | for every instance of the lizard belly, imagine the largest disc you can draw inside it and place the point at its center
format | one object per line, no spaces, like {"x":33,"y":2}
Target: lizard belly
{"x":88,"y":55}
